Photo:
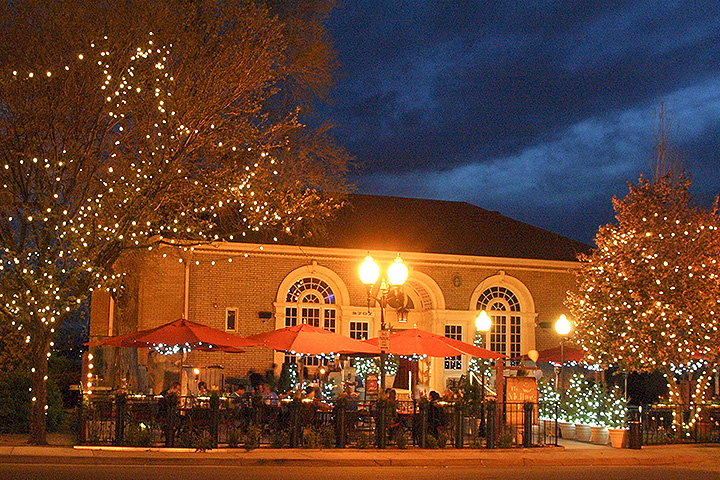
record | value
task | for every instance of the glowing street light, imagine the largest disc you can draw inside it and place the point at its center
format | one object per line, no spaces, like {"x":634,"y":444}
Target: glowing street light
{"x":483,"y":323}
{"x":397,"y":274}
{"x":562,"y":327}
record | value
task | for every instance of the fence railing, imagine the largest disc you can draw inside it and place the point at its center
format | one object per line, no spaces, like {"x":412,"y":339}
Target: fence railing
{"x":206,"y":423}
{"x":680,"y":423}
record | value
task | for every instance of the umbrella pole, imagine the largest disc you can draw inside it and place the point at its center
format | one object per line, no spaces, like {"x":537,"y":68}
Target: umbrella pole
{"x":301,"y":371}
{"x":182,"y":360}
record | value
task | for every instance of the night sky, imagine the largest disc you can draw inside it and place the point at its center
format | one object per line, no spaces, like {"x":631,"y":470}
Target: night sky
{"x":541,"y":110}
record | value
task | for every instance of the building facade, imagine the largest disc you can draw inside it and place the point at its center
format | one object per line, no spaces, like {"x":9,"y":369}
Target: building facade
{"x":248,"y":288}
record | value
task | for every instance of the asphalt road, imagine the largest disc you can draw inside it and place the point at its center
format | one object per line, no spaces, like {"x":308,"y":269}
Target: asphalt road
{"x":165,"y":472}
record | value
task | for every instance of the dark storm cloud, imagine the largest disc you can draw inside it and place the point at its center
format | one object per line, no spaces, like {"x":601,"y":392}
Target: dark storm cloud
{"x":527,"y":109}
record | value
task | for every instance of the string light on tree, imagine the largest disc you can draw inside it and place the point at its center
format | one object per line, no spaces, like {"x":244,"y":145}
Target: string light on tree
{"x":648,"y":295}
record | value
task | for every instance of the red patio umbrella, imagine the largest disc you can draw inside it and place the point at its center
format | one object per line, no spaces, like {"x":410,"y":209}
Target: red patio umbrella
{"x":179,"y":335}
{"x":416,"y":342}
{"x":309,"y":340}
{"x":306,"y":339}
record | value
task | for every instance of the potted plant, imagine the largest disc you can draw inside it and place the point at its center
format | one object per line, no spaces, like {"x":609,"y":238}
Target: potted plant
{"x":548,"y":406}
{"x":579,"y":406}
{"x":596,"y":407}
{"x":566,"y":417}
{"x":615,"y":410}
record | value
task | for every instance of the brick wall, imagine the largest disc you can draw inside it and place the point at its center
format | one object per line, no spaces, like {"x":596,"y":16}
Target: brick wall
{"x":251,"y":285}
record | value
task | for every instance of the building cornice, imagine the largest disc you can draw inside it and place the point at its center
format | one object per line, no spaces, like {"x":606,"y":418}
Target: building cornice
{"x":233,"y":249}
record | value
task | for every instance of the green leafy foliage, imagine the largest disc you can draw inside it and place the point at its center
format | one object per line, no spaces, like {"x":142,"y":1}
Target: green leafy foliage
{"x":15,"y":401}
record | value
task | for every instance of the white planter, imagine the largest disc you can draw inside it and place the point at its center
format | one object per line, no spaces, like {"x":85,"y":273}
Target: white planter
{"x":567,"y":430}
{"x":548,"y":428}
{"x":582,"y":432}
{"x":618,"y":437}
{"x":599,"y":435}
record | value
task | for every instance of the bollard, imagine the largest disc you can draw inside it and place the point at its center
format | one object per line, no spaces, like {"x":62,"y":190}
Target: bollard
{"x":215,"y":416}
{"x":490,"y":426}
{"x":172,"y":419}
{"x":340,"y":412}
{"x":82,"y":430}
{"x":423,"y":424}
{"x":527,"y":424}
{"x":634,"y":428}
{"x":459,"y":433}
{"x":381,"y":436}
{"x":635,"y":435}
{"x":120,"y":403}
{"x":295,"y":428}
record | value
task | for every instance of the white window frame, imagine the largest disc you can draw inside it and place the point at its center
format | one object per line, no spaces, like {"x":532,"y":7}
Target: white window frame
{"x":362,"y":333}
{"x":453,"y":363}
{"x":236,"y":313}
{"x":311,"y":304}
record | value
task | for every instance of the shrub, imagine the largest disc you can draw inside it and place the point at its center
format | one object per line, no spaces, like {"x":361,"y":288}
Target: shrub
{"x":506,"y":437}
{"x":364,"y":440}
{"x":318,"y":437}
{"x":279,"y":438}
{"x":400,"y":440}
{"x":203,"y":441}
{"x":15,"y":400}
{"x":252,"y":438}
{"x":138,"y":435}
{"x":442,"y":440}
{"x":615,"y":408}
{"x":233,"y":436}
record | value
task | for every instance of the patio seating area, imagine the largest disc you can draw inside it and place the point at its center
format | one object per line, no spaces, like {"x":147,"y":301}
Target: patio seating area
{"x":209,"y":422}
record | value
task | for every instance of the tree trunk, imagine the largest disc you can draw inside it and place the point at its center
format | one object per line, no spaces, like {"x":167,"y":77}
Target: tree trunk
{"x":675,"y":398}
{"x":125,"y":365}
{"x":702,"y":384}
{"x":38,"y":382}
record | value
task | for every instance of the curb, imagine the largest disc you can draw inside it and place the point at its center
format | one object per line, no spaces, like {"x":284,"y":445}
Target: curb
{"x":351,"y":458}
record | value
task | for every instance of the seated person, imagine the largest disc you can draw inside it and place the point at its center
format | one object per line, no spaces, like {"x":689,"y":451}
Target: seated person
{"x":170,"y":398}
{"x":240,"y":395}
{"x":240,"y":401}
{"x":313,"y":393}
{"x":436,"y":415}
{"x":269,"y":397}
{"x":202,"y":390}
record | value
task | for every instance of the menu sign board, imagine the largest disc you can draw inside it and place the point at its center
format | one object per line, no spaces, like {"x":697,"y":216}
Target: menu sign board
{"x":519,"y":391}
{"x":371,"y":384}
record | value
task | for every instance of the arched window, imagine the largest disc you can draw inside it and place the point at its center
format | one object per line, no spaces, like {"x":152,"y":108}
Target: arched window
{"x":504,"y":309}
{"x":313,"y":284}
{"x":312,"y":301}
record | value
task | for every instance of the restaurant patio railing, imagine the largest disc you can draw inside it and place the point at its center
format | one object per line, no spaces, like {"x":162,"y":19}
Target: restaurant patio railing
{"x":678,"y":423}
{"x":208,"y":422}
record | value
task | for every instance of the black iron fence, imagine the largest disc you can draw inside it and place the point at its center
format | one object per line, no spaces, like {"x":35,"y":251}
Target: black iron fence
{"x":209,"y":422}
{"x":681,"y":423}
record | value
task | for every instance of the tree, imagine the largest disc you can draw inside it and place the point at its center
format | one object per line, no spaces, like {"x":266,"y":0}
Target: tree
{"x":648,"y":295}
{"x":125,"y":124}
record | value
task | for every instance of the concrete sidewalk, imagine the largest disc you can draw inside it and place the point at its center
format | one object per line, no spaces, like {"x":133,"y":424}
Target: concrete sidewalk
{"x":568,"y":453}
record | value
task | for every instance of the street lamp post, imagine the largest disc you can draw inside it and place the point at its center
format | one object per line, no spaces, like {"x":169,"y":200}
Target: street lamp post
{"x":562,"y":327}
{"x":396,"y":276}
{"x":482,"y":325}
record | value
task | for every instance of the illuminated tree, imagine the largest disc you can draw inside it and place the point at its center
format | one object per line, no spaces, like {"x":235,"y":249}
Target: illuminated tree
{"x":649,"y":294}
{"x":125,"y":124}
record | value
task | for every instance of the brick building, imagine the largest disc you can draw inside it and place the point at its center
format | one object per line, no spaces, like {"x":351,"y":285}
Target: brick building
{"x":461,"y":258}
